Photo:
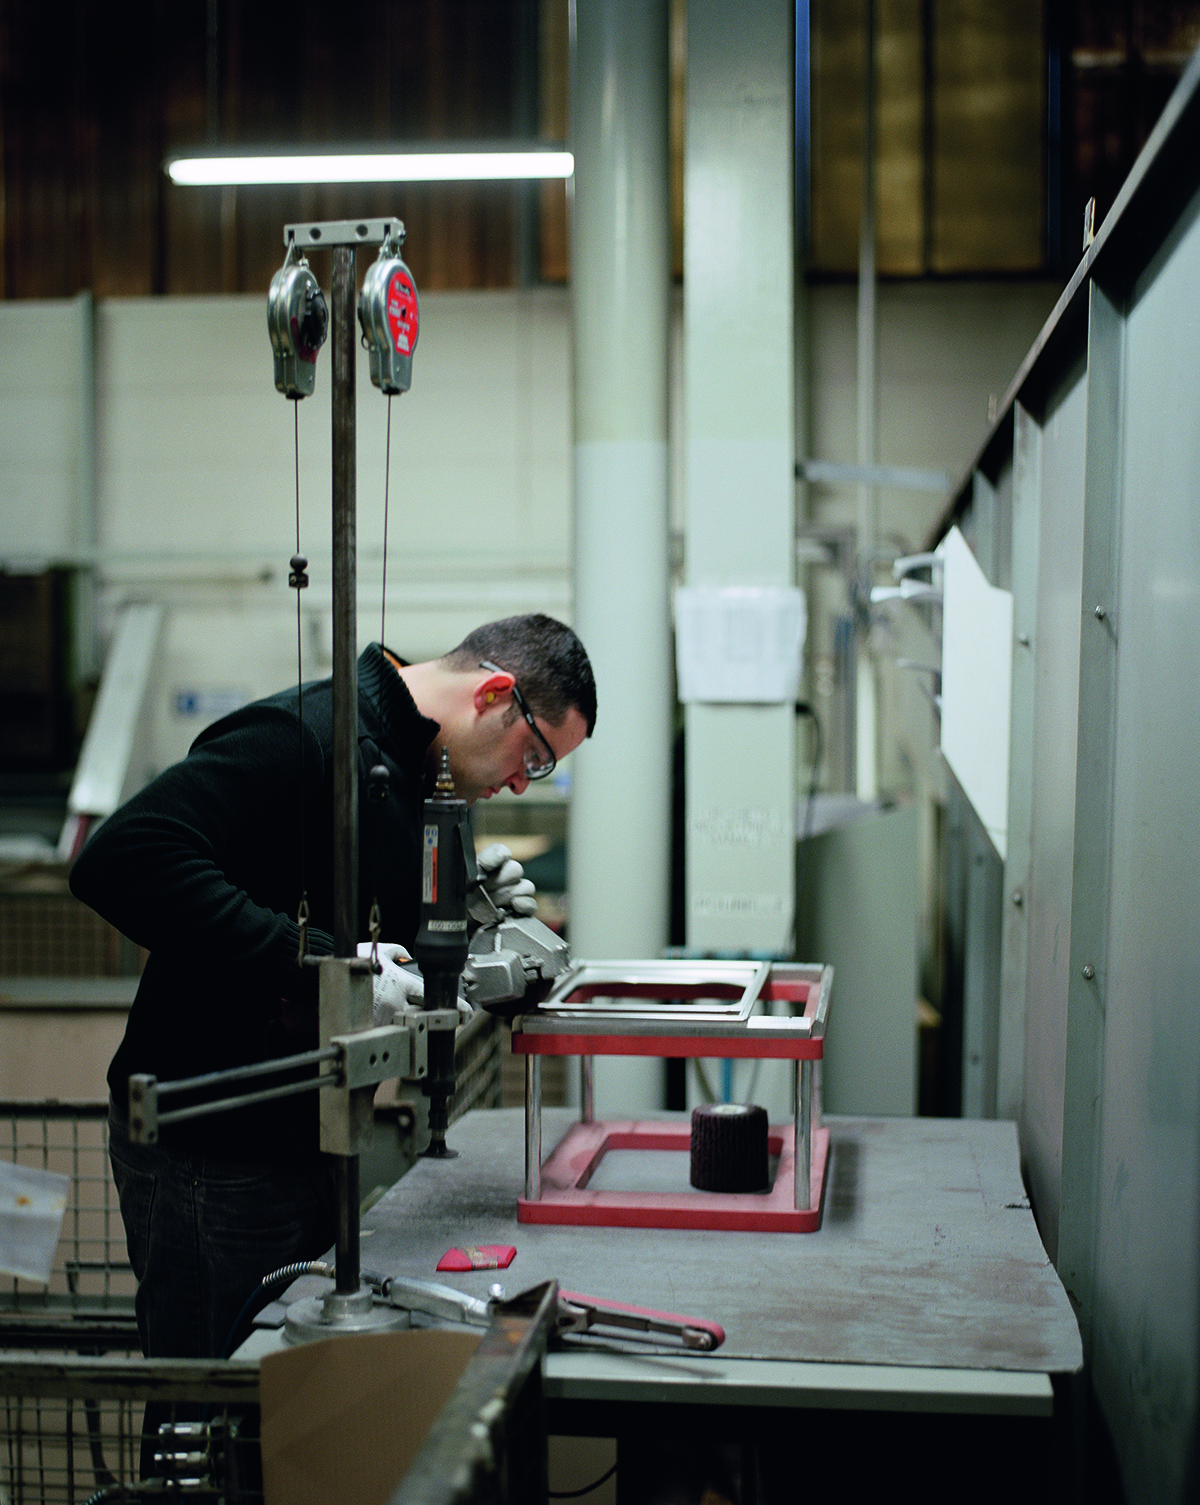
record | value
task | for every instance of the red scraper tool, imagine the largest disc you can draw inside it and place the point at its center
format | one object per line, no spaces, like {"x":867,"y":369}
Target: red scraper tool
{"x":478,"y":1257}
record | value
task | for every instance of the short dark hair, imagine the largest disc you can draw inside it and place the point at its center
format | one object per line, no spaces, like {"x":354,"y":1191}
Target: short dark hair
{"x":549,"y":662}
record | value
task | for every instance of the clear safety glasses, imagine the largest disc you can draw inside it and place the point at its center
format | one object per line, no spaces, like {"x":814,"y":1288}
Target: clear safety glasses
{"x":539,"y":761}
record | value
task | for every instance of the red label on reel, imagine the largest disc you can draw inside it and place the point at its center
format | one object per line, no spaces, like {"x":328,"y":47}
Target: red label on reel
{"x":402,"y":315}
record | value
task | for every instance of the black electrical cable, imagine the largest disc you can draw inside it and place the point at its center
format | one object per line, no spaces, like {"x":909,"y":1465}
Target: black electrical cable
{"x":575,"y":1494}
{"x":378,"y":777}
{"x":261,"y":1297}
{"x":263,"y":1294}
{"x":387,"y":478}
{"x":803,"y":708}
{"x":298,"y":579}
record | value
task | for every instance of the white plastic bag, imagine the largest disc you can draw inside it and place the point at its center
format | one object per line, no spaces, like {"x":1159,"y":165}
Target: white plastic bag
{"x":32,"y":1203}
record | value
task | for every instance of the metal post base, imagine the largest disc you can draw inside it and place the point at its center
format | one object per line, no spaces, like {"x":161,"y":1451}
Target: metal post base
{"x":340,"y":1312}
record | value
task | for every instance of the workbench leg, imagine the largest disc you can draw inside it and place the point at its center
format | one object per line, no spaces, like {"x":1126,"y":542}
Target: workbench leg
{"x":533,"y":1127}
{"x":802,"y":1156}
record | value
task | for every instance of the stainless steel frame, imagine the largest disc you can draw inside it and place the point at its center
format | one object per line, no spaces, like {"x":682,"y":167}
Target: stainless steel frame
{"x":701,"y":1008}
{"x":632,"y":1009}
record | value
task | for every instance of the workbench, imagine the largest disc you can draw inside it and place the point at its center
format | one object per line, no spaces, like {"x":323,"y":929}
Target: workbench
{"x":927,"y":1273}
{"x":925,"y":1296}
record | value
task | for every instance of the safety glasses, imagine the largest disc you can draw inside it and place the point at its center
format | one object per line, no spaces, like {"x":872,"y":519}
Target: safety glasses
{"x":538,"y":763}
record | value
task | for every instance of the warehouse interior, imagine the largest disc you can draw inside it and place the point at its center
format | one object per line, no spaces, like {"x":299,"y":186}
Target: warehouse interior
{"x":849,"y":316}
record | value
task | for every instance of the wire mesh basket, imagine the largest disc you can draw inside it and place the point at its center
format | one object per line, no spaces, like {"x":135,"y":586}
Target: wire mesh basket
{"x":90,"y":1272}
{"x":76,"y":1429}
{"x":84,"y":1419}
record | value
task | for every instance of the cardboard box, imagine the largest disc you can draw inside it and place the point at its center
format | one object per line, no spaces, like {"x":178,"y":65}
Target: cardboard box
{"x":343,"y":1418}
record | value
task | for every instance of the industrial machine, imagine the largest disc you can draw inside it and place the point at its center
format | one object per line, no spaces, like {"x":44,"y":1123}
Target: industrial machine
{"x":513,"y":961}
{"x":508,"y":965}
{"x":510,"y":961}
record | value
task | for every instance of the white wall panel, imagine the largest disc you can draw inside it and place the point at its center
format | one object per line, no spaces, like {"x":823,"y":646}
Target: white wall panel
{"x":943,"y":351}
{"x":1105,"y":441}
{"x":198,"y":489}
{"x":39,"y":399}
{"x":198,"y":448}
{"x":1147,"y":1330}
{"x":196,"y":485}
{"x":1053,"y":657}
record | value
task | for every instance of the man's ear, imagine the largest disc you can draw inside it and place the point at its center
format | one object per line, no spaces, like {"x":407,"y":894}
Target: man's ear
{"x":493,"y":688}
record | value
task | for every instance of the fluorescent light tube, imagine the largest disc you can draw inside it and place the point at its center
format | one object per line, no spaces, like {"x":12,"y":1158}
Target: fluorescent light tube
{"x":371,"y":167}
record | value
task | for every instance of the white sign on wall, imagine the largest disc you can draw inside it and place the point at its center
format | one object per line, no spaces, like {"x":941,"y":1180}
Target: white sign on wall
{"x":739,"y":644}
{"x":977,"y":624}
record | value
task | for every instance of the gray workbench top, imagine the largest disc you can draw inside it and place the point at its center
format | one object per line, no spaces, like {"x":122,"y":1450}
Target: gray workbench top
{"x":927,"y":1253}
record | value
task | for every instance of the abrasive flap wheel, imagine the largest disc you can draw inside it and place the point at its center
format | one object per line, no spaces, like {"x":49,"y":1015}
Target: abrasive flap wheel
{"x":729,"y":1147}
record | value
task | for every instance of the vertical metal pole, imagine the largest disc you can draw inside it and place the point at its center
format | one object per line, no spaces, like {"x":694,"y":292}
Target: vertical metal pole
{"x":587,"y":1090}
{"x":533,"y":1127}
{"x":867,"y":316}
{"x":345,"y":609}
{"x":928,"y":136}
{"x":802,"y":1147}
{"x":348,"y":1264}
{"x":345,"y":702}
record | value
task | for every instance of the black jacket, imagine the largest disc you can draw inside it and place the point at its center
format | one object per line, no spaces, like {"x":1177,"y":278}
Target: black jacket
{"x":205,"y":869}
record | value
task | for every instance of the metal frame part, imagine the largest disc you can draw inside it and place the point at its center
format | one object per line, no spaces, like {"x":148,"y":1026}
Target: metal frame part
{"x":702,"y":992}
{"x":665,"y":1008}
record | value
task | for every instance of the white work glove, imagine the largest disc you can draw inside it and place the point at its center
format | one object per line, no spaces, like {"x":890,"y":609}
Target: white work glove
{"x":394,"y":986}
{"x":504,"y":882}
{"x":397,"y":986}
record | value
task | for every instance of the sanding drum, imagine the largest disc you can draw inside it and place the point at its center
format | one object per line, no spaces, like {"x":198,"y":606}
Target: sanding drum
{"x":729,"y":1147}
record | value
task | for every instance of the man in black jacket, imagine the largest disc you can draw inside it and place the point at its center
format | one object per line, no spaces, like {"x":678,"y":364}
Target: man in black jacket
{"x":206,"y":869}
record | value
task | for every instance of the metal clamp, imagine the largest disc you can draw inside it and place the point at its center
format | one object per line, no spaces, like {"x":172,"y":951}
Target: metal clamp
{"x":372,"y":1056}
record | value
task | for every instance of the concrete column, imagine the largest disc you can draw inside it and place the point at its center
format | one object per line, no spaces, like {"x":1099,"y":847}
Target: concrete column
{"x":740,"y":483}
{"x":619,"y":859}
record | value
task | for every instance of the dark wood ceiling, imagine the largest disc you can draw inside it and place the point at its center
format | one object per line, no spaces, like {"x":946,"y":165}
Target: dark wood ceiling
{"x":1122,"y":60}
{"x":94,"y":97}
{"x":996,"y":123}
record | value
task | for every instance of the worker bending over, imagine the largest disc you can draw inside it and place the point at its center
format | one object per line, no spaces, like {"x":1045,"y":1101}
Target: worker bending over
{"x":206,"y":868}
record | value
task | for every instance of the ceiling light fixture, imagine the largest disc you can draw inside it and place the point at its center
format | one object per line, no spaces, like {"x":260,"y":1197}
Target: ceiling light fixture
{"x":445,"y":165}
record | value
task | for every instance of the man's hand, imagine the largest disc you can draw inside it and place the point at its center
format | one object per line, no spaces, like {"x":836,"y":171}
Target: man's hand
{"x":504,"y":882}
{"x":395,"y":986}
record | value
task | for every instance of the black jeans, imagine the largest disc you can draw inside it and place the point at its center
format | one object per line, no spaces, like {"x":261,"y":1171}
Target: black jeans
{"x":202,"y":1233}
